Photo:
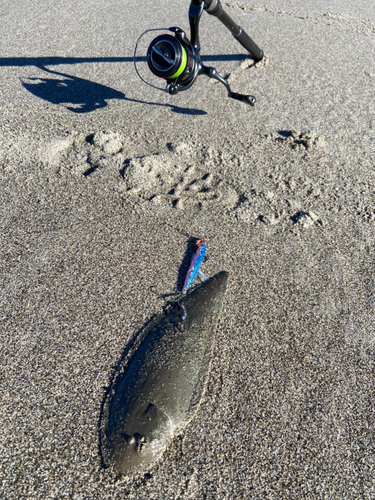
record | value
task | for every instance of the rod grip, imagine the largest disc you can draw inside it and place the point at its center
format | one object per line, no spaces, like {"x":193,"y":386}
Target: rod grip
{"x":214,"y":8}
{"x":249,"y":45}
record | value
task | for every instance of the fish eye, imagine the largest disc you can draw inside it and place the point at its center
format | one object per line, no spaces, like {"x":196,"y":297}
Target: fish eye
{"x":139,"y":438}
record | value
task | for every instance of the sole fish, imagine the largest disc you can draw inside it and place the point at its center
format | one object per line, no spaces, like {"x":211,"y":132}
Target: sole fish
{"x":164,"y":379}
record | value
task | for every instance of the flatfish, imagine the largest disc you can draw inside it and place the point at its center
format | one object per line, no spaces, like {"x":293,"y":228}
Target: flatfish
{"x":164,"y":380}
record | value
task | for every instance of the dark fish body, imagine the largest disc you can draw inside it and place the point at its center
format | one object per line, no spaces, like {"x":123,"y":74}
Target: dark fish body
{"x":164,"y":379}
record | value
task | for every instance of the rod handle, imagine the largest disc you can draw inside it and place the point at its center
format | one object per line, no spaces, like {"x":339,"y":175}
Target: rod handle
{"x":214,"y":8}
{"x":246,"y":42}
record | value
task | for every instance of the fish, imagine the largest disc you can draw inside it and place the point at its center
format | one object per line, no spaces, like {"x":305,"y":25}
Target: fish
{"x":161,"y":386}
{"x":196,"y":261}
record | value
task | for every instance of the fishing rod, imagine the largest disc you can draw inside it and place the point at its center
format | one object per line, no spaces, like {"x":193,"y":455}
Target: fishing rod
{"x":177,"y":59}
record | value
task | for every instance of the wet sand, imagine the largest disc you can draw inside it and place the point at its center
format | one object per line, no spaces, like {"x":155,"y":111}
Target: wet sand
{"x":102,"y":182}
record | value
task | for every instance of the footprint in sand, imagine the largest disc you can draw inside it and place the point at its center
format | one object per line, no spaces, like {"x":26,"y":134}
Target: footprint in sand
{"x":182,"y":177}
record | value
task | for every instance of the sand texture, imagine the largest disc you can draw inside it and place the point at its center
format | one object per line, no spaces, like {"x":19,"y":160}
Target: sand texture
{"x":103,"y":183}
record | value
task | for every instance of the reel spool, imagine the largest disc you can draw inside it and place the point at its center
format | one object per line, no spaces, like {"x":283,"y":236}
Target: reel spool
{"x":171,"y":58}
{"x":167,"y":57}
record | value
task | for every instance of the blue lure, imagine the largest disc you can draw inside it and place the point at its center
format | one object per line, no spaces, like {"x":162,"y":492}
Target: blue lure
{"x":196,"y":261}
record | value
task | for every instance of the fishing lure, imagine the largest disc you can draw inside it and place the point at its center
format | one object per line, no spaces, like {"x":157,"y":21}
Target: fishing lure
{"x":196,"y":261}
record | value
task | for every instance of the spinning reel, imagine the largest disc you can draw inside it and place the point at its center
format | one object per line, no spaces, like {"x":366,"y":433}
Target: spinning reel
{"x":176,"y":59}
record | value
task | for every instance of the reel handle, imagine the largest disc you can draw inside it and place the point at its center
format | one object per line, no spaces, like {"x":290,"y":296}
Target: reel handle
{"x":212,"y":73}
{"x":247,"y":99}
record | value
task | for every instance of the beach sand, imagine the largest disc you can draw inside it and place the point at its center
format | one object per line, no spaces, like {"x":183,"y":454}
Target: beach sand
{"x":89,"y":242}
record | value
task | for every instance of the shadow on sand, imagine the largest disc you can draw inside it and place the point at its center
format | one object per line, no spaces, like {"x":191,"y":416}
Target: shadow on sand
{"x":84,"y":96}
